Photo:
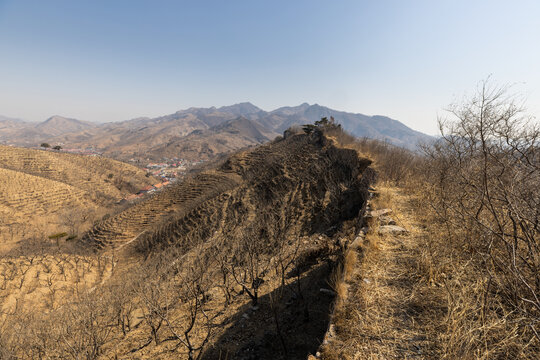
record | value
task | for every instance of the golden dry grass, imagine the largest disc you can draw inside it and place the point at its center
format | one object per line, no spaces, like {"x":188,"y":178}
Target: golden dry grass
{"x":477,"y":324}
{"x":391,"y":312}
{"x":420,"y":296}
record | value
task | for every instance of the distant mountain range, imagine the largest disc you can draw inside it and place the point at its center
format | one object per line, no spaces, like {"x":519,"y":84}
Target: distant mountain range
{"x":197,"y":133}
{"x":16,"y":131}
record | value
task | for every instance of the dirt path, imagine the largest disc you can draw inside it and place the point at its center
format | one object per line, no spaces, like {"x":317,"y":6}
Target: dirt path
{"x":392,"y":311}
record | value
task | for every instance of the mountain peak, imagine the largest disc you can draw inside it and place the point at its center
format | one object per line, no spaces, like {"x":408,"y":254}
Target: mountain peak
{"x":289,"y":110}
{"x":58,"y":118}
{"x":57,"y":125}
{"x":243,"y":108}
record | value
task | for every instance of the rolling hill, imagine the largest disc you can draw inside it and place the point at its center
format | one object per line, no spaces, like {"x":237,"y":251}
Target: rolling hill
{"x":12,"y":129}
{"x":219,"y":258}
{"x":57,"y":125}
{"x":18,"y":132}
{"x":39,"y":188}
{"x":220,"y":139}
{"x":201,"y":133}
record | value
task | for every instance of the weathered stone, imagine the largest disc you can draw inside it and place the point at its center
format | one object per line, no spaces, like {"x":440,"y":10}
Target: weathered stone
{"x":381,"y":212}
{"x":386,"y":220}
{"x":363,"y":231}
{"x":357,"y":243}
{"x":392,"y":230}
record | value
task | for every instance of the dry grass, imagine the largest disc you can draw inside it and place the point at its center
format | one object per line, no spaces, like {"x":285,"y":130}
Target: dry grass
{"x":421,"y":295}
{"x":440,"y":268}
{"x":391,"y":312}
{"x":477,"y":323}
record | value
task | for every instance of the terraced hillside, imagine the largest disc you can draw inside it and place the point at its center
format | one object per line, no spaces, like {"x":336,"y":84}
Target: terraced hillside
{"x":108,"y":179}
{"x":229,"y":264}
{"x":38,"y":188}
{"x":237,"y":191}
{"x":24,"y":194}
{"x":145,"y":216}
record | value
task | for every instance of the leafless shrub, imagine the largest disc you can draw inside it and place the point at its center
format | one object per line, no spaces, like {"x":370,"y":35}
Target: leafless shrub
{"x":484,"y":176}
{"x":250,"y":262}
{"x":193,"y":330}
{"x":151,"y":296}
{"x":393,"y":164}
{"x":84,"y":326}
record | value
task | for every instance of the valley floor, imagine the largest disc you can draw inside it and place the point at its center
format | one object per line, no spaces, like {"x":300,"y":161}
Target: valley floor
{"x":389,"y":308}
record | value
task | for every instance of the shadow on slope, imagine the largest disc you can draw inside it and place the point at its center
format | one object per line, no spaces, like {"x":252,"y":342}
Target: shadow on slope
{"x":290,"y":322}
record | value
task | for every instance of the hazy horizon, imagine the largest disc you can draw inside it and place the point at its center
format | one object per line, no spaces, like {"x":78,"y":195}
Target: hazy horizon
{"x":113,"y":61}
{"x":196,"y":107}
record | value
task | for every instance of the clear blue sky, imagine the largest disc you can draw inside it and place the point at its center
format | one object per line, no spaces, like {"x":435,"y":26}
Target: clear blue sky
{"x":115,"y":60}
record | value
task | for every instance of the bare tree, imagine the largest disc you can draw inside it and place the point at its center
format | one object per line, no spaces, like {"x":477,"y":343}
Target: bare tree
{"x":189,"y":290}
{"x":84,"y":326}
{"x":151,"y":295}
{"x":485,"y":176}
{"x":250,"y":262}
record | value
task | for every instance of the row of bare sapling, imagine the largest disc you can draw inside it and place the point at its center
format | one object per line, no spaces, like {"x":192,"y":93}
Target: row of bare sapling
{"x":167,"y":296}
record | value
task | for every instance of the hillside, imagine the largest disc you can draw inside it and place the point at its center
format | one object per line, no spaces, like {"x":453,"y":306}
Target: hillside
{"x":40,"y":189}
{"x":7,"y":122}
{"x":58,"y":125}
{"x":18,"y":132}
{"x":221,"y":139}
{"x":240,"y":251}
{"x":13,"y":129}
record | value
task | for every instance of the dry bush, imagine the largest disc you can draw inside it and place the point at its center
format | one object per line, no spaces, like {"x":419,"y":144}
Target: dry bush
{"x":482,"y":181}
{"x":171,"y":290}
{"x":478,"y":196}
{"x":393,"y":164}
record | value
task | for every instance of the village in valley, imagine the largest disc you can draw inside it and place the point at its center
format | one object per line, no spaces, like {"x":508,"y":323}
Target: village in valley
{"x":169,"y":171}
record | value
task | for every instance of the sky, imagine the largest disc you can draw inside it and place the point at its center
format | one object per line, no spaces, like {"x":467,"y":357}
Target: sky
{"x":407,"y":59}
